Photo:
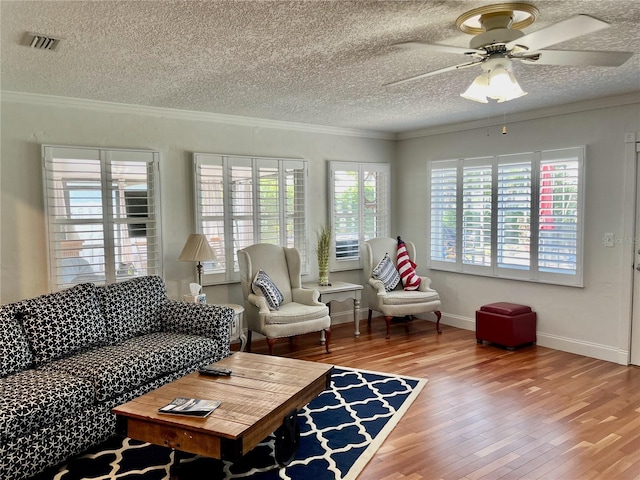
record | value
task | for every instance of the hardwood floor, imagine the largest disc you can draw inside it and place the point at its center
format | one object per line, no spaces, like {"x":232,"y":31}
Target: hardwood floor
{"x":490,"y":413}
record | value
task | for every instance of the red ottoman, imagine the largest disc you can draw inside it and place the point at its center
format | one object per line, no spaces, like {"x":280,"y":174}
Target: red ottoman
{"x":506,"y":324}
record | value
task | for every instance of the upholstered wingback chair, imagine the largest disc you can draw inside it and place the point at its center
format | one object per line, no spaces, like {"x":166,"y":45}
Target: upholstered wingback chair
{"x":299,"y":312}
{"x":397,"y":302}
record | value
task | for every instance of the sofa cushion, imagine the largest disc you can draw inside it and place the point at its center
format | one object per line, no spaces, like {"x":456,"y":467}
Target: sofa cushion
{"x":116,"y":369}
{"x":61,"y":323}
{"x":131,"y":308}
{"x":14,"y":348}
{"x":32,"y":399}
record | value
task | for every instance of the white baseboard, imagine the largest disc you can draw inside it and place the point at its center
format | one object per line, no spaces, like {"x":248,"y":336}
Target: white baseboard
{"x":565,"y":344}
{"x":458,"y":321}
{"x":579,"y":347}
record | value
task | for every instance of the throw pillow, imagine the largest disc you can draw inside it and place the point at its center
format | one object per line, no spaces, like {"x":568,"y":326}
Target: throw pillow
{"x":406,"y":268}
{"x":386,"y":272}
{"x":268,"y":289}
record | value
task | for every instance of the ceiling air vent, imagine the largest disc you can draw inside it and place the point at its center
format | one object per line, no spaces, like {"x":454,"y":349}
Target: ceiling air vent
{"x":41,"y":42}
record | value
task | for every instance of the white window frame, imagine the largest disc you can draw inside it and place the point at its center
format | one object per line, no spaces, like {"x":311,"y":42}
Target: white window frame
{"x":382,"y":217}
{"x":104,"y":220}
{"x":531,"y":272}
{"x":227,"y":271}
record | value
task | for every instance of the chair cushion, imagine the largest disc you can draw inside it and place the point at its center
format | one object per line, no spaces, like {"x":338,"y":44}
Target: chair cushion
{"x":61,"y":323}
{"x":293,"y":312}
{"x":386,"y":272}
{"x":131,"y":308}
{"x":32,"y":399}
{"x":263,"y":285}
{"x":14,"y":348}
{"x":403,"y":297}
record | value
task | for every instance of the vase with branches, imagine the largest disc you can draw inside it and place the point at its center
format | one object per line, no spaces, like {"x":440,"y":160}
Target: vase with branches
{"x":322,"y":250}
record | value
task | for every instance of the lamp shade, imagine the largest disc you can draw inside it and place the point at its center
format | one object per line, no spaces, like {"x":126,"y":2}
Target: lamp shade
{"x":197,"y":249}
{"x":477,"y":91}
{"x":496,"y":82}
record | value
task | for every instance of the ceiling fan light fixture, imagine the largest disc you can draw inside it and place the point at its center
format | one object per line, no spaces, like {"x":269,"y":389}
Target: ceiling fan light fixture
{"x":477,"y":91}
{"x":503,"y":86}
{"x":496,"y":82}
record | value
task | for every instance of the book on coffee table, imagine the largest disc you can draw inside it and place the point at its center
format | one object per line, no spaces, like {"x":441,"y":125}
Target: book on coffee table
{"x":193,"y":407}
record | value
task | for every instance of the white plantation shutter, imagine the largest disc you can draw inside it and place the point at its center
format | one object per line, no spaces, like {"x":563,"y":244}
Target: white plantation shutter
{"x":376,"y":199}
{"x":514,"y":212}
{"x":209,"y":180}
{"x":269,"y":201}
{"x":476,"y":204}
{"x":517,"y":216}
{"x":360,"y":202}
{"x":103,"y":220}
{"x":295,"y":214}
{"x":346,"y":212}
{"x":241,"y":201}
{"x":242,"y":224}
{"x":560,"y":213}
{"x":443,"y":187}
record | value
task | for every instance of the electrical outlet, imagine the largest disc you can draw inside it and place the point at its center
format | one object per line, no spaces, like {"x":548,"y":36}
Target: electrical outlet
{"x":609,"y":239}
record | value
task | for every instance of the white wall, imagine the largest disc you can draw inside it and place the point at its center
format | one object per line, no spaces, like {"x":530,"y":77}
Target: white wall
{"x":26,"y":125}
{"x":591,"y":320}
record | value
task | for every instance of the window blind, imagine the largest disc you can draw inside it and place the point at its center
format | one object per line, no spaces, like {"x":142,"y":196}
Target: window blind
{"x":103,"y":221}
{"x":241,"y":201}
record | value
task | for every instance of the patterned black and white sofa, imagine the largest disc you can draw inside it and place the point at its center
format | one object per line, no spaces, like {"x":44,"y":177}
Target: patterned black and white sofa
{"x":67,"y":358}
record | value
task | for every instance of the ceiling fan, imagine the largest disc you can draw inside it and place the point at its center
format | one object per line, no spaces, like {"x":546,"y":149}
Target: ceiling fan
{"x":498,"y":40}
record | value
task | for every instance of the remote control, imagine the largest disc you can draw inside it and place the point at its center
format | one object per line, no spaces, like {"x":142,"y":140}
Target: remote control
{"x":214,"y":371}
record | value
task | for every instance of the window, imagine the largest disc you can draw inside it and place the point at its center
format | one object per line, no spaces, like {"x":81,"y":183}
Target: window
{"x":242,"y":200}
{"x":513,"y":216}
{"x":102,"y":214}
{"x":360,"y":197}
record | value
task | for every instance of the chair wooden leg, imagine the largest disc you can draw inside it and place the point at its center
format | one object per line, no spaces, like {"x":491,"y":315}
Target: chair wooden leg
{"x":439,"y":315}
{"x":327,"y":337}
{"x":271,"y":342}
{"x":388,"y":320}
{"x":248,"y":348}
{"x":369,"y":319}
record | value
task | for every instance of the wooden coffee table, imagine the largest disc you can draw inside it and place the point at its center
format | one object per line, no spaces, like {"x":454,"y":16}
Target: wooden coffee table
{"x":260,"y":397}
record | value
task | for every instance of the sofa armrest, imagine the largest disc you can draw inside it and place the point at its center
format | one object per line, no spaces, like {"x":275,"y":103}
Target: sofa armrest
{"x":306,"y":296}
{"x":212,"y":321}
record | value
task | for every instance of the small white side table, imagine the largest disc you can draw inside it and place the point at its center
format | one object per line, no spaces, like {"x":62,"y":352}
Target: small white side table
{"x":237,"y":327}
{"x":339,"y":292}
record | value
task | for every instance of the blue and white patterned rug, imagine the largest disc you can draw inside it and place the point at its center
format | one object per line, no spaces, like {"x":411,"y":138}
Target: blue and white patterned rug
{"x":340,"y":431}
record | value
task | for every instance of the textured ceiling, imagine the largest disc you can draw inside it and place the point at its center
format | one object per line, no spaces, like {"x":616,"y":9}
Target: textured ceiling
{"x":316,"y":62}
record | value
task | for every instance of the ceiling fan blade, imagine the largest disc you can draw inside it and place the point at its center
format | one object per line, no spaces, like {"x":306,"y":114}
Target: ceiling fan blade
{"x":578,"y":58}
{"x":437,"y":47}
{"x":435,"y":72}
{"x":559,"y":32}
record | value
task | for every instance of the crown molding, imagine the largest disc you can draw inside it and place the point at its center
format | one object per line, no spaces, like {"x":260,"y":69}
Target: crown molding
{"x":576,"y":107}
{"x":113,"y":107}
